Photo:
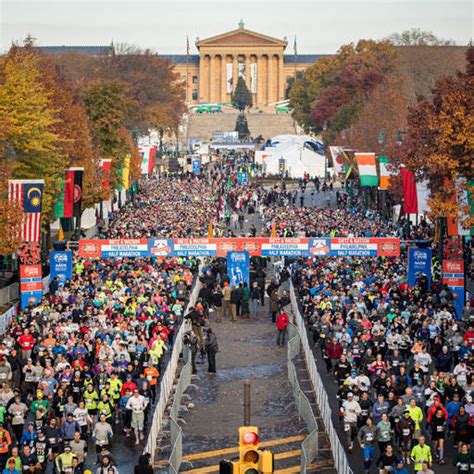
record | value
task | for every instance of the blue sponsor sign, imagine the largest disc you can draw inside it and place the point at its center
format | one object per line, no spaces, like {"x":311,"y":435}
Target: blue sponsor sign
{"x":419,"y":261}
{"x":238,"y":267}
{"x":243,"y":178}
{"x":161,"y":247}
{"x":197,"y":166}
{"x":60,"y":264}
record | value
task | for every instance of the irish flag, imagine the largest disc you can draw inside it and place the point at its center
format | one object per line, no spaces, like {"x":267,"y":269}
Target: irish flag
{"x":384,"y":172}
{"x":367,"y":169}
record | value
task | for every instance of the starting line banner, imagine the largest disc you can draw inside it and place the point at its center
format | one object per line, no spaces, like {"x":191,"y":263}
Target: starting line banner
{"x":258,"y":246}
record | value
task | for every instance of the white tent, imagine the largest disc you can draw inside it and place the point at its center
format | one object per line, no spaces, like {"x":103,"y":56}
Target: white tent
{"x":299,"y":154}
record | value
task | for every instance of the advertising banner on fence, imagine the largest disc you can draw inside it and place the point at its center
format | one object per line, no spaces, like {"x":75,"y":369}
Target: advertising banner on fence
{"x":453,"y":277}
{"x":195,"y":247}
{"x":257,"y":246}
{"x":419,"y":261}
{"x":31,"y":285}
{"x":161,"y":247}
{"x":277,"y":247}
{"x":238,"y":267}
{"x":60,"y":265}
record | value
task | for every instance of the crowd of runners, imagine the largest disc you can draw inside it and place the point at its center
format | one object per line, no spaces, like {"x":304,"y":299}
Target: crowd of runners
{"x":80,"y":372}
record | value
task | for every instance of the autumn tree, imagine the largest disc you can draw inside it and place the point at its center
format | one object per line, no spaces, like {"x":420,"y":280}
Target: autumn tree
{"x":29,"y":139}
{"x":440,"y":141}
{"x":107,"y":106}
{"x":418,"y":37}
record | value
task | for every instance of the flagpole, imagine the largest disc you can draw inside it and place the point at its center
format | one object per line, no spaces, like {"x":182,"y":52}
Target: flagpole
{"x":294,"y":58}
{"x":187,"y":67}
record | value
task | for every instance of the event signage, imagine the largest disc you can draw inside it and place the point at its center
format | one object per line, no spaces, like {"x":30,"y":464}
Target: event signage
{"x":290,"y":247}
{"x":256,"y":246}
{"x":195,"y":247}
{"x":419,"y":261}
{"x":453,"y":277}
{"x":60,"y":264}
{"x":238,"y":267}
{"x":130,"y":248}
{"x":196,"y":166}
{"x":31,"y":285}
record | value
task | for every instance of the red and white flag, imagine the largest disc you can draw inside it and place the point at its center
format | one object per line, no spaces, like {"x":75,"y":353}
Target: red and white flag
{"x":28,"y":193}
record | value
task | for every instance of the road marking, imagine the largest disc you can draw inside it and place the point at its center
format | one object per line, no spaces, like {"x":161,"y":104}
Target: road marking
{"x":219,"y":452}
{"x":293,"y":469}
{"x":215,"y":468}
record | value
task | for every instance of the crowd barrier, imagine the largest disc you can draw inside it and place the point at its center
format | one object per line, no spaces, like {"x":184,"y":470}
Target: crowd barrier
{"x":9,"y":293}
{"x":168,"y":378}
{"x":341,"y":462}
{"x":176,"y":456}
{"x":310,"y":446}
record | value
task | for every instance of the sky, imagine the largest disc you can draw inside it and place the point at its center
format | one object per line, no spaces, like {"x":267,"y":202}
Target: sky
{"x":320,"y":26}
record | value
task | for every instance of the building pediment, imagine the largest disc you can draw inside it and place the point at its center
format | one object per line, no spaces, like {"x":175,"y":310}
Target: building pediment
{"x":241,"y":37}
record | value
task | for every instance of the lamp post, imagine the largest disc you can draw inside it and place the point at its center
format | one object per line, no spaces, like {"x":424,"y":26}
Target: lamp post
{"x":381,"y":140}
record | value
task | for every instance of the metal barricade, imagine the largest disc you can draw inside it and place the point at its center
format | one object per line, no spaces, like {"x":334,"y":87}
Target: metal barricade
{"x":341,"y":461}
{"x":167,"y":381}
{"x":310,"y":447}
{"x":9,"y":293}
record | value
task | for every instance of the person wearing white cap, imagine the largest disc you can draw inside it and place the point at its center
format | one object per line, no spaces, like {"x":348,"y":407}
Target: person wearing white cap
{"x":350,"y":410}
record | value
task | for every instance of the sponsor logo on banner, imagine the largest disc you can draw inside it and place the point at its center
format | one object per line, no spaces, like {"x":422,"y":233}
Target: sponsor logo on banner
{"x":195,"y":247}
{"x":290,"y":247}
{"x":319,"y":246}
{"x":453,"y":277}
{"x":238,"y":267}
{"x":419,"y":261}
{"x":90,"y":248}
{"x":161,"y":247}
{"x":31,"y":285}
{"x":60,"y":264}
{"x":125,"y":248}
{"x":353,"y":247}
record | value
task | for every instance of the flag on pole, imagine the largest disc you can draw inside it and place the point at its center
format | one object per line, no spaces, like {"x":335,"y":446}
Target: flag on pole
{"x":187,"y":45}
{"x":105,"y":166}
{"x":410,"y":196}
{"x":73,"y":192}
{"x":126,"y":172}
{"x":61,"y":232}
{"x":274,"y":229}
{"x":28,"y":193}
{"x":367,"y":169}
{"x":210,"y":230}
{"x":458,"y":225}
{"x":384,"y":172}
{"x":295,"y":48}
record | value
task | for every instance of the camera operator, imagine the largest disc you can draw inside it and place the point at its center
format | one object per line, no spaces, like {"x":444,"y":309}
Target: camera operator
{"x":190,"y":339}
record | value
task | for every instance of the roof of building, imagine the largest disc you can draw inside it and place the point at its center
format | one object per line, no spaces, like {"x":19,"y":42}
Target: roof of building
{"x":288,"y":58}
{"x":180,"y":58}
{"x":91,"y":50}
{"x":302,"y":58}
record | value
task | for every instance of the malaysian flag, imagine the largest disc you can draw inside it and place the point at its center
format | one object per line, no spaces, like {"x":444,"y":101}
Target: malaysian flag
{"x":28,"y":193}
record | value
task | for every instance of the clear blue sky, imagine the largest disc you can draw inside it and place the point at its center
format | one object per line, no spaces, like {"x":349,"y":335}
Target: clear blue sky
{"x":320,"y":26}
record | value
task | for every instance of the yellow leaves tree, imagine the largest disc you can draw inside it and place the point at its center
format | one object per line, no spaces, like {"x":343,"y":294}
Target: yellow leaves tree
{"x":29,"y":139}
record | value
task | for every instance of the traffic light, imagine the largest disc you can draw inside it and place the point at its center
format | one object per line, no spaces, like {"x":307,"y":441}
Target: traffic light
{"x":249,"y":454}
{"x":251,"y":459}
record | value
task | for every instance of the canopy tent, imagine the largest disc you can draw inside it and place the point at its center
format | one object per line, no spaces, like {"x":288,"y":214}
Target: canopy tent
{"x":294,"y":154}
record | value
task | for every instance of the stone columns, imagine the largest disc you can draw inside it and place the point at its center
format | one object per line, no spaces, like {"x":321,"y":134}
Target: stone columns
{"x":204,"y":79}
{"x":213,"y":79}
{"x":223,"y":78}
{"x":260,"y":98}
{"x":270,"y":80}
{"x":281,"y":78}
{"x":247,"y":71}
{"x":235,"y":72}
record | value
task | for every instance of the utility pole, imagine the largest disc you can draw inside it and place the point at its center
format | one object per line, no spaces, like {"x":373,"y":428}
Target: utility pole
{"x":246,"y":402}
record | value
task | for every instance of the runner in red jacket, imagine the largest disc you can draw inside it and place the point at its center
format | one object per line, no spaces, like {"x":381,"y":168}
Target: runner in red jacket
{"x":282,"y":321}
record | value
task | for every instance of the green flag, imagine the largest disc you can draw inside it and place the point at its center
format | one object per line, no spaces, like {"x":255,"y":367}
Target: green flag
{"x":59,"y":204}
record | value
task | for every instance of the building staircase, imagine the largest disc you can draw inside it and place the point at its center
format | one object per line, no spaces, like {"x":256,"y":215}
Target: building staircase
{"x":202,"y":126}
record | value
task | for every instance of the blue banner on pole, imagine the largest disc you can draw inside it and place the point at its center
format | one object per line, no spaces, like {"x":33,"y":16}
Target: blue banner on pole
{"x":238,"y":267}
{"x":60,"y":264}
{"x":197,"y":166}
{"x":419,"y":261}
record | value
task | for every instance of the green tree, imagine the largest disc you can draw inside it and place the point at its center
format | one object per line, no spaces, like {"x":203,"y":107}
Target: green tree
{"x":242,"y":98}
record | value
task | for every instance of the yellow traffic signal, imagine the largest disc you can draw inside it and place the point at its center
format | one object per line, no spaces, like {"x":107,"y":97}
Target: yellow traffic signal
{"x":249,"y":454}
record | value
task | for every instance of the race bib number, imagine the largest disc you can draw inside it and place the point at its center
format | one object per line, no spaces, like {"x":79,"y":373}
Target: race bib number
{"x":369,"y":437}
{"x":406,"y":432}
{"x":440,"y":429}
{"x":347,"y":427}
